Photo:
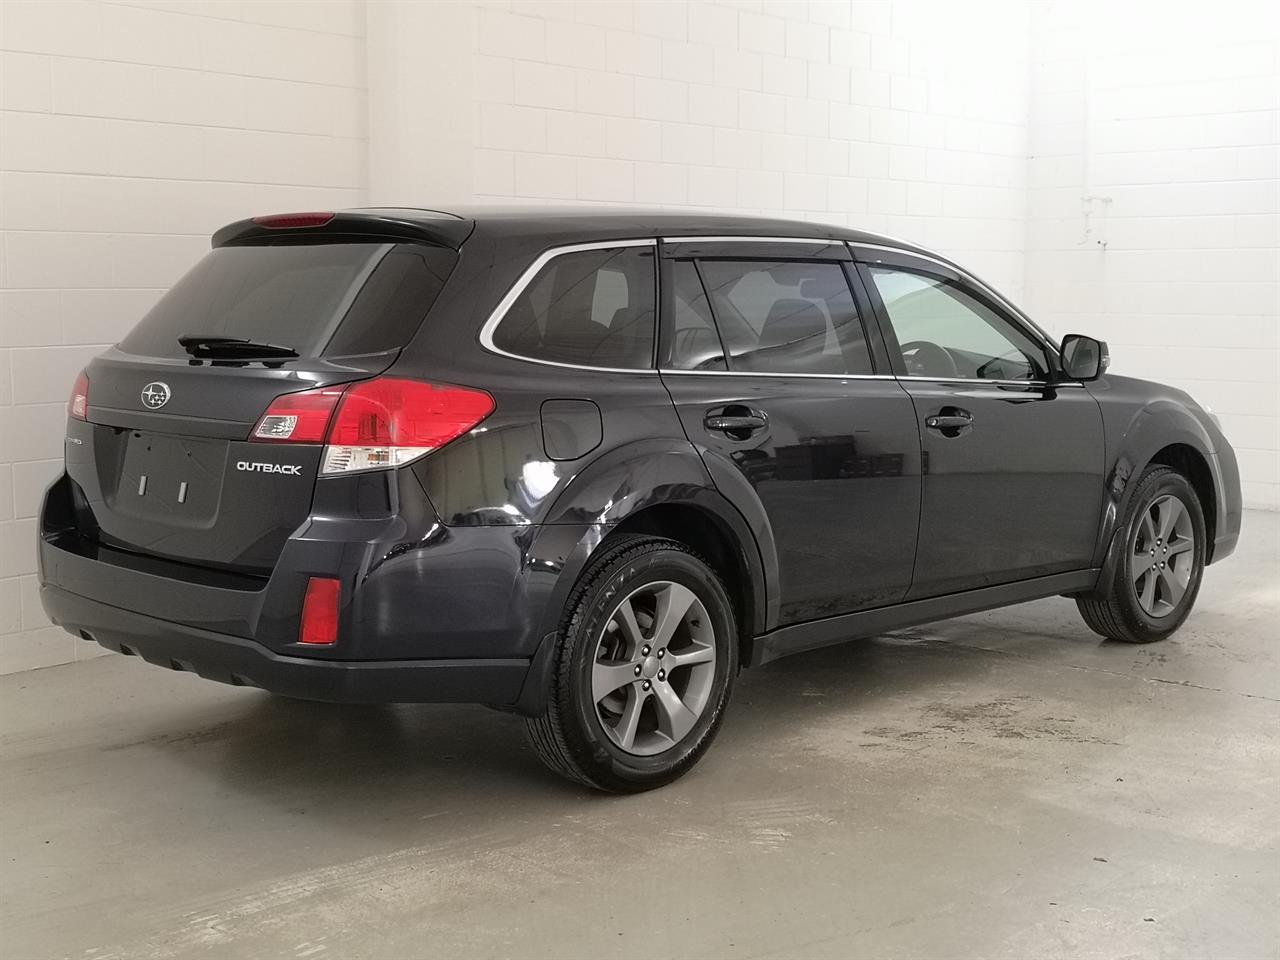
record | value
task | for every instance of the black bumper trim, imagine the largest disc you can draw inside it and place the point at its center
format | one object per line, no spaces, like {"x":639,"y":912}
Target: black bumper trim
{"x":240,"y":662}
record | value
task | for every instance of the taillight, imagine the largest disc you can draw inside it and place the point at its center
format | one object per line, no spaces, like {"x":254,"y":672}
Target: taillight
{"x":78,"y":405}
{"x":385,"y":422}
{"x":290,"y":221}
{"x":320,"y":611}
{"x":298,"y":417}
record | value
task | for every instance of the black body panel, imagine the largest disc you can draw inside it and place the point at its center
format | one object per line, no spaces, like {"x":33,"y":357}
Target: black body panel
{"x":841,"y":512}
{"x":207,"y":497}
{"x":836,"y":471}
{"x":999,"y":504}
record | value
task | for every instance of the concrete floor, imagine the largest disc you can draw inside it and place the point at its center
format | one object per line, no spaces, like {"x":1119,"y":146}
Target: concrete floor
{"x":1004,"y":785}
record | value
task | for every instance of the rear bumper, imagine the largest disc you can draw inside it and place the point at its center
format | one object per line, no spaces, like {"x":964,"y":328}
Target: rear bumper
{"x":242,"y":662}
{"x":412,"y":589}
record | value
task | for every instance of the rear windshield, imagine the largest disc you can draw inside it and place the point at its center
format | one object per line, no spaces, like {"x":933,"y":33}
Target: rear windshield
{"x":333,"y":299}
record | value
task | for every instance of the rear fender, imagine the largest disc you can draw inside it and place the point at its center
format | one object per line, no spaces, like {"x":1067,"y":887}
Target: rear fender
{"x":613,"y":488}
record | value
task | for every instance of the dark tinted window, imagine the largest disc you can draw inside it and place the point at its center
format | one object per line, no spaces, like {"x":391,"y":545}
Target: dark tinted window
{"x":393,"y":301}
{"x":695,"y":345}
{"x":340,"y":298}
{"x":594,"y":308}
{"x":786,"y":317}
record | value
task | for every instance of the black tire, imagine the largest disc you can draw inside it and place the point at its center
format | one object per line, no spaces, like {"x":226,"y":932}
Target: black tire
{"x":1119,"y":613}
{"x":571,"y":737}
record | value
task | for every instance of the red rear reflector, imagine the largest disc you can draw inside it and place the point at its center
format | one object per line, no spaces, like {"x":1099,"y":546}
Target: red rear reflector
{"x":78,"y":405}
{"x":288,"y":221}
{"x":320,"y":611}
{"x":298,"y":417}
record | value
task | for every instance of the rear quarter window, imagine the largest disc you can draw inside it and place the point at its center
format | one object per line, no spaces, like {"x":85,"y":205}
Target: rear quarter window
{"x":590,"y":308}
{"x":336,"y":299}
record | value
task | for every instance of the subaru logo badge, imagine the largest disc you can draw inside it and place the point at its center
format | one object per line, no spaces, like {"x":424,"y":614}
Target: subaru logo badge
{"x":155,"y":395}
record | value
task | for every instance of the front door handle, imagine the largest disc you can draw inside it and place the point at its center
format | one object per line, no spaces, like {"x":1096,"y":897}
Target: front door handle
{"x":736,"y":421}
{"x":950,"y":421}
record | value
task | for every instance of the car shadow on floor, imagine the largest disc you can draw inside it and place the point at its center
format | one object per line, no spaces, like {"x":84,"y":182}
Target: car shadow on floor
{"x":413,"y":759}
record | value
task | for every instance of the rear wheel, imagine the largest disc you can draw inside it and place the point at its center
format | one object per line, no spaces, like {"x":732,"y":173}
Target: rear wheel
{"x":644,"y":667}
{"x":1161,"y":562}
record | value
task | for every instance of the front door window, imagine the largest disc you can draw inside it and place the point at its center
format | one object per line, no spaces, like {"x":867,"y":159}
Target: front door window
{"x":945,"y":333}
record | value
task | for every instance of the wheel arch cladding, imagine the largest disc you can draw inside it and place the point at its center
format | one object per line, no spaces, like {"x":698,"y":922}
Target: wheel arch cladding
{"x":712,"y":537}
{"x":636,"y":477}
{"x":704,"y":521}
{"x":1193,"y":465}
{"x":1161,"y":432}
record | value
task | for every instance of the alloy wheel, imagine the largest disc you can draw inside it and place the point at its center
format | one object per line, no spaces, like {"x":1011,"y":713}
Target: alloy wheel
{"x":1162,"y":556}
{"x":654,"y":668}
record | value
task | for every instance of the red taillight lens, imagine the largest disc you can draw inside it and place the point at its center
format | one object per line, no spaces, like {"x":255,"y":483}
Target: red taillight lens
{"x":298,"y":417}
{"x":389,"y":421}
{"x":320,"y":611}
{"x":383,"y":422}
{"x":407,"y":413}
{"x":78,"y":405}
{"x":290,"y":221}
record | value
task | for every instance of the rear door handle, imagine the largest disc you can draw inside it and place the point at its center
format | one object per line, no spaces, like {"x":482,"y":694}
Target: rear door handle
{"x":723,"y":424}
{"x":950,"y":421}
{"x":736,"y":421}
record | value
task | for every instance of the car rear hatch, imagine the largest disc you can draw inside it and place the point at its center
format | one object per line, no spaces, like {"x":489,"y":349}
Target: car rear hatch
{"x":163,"y":455}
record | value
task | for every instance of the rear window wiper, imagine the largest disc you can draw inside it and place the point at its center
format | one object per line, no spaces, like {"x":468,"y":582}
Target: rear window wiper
{"x":204,"y":347}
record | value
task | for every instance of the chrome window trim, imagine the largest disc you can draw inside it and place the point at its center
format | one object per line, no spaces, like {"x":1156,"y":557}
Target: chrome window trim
{"x":747,"y":373}
{"x":866,"y":376}
{"x":491,"y":324}
{"x":786,"y":376}
{"x":815,"y":241}
{"x":999,"y":383}
{"x":995,"y":295}
{"x":517,"y":288}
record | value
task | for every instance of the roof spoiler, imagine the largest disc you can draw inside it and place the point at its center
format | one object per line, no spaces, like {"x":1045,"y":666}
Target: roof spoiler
{"x":351,"y":226}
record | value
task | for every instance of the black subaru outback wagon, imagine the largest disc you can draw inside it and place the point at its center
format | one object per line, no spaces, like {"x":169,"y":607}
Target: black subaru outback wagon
{"x":586,"y":465}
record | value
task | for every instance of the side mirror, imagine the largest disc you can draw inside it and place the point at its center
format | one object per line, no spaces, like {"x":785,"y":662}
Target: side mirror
{"x":1084,"y":358}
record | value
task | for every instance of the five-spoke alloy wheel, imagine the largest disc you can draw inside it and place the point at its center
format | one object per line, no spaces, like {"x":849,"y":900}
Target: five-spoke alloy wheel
{"x":644,"y":666}
{"x":1157,"y":575}
{"x":654,"y":668}
{"x":1162,"y":556}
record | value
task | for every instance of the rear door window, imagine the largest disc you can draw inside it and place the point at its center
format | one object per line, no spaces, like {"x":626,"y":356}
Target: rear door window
{"x":695,"y":344}
{"x":334,"y":299}
{"x":785,"y":317}
{"x":591,"y":308}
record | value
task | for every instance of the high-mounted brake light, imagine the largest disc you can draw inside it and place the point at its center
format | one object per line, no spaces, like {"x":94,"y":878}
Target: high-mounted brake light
{"x":384,"y":422}
{"x":320,"y":611}
{"x":78,"y":405}
{"x":289,"y":221}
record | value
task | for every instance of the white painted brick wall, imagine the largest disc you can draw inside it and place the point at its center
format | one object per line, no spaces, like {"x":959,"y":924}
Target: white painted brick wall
{"x":128,"y":133}
{"x":1173,"y":113}
{"x":906,"y":118}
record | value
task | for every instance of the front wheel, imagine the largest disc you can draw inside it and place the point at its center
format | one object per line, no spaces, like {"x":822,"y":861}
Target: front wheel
{"x":645,"y":662}
{"x":1160,"y":563}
